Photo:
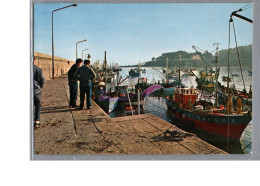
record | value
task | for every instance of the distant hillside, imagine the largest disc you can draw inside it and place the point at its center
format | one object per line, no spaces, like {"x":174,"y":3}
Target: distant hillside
{"x":193,"y":59}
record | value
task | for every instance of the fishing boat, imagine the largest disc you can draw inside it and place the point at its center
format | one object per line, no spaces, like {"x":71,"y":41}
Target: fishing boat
{"x":235,"y":75}
{"x":225,"y":78}
{"x":136,"y":72}
{"x":206,"y":80}
{"x":203,"y":115}
{"x":104,"y":95}
{"x":107,"y":103}
{"x":162,"y":92}
{"x":207,"y":115}
{"x":173,"y":76}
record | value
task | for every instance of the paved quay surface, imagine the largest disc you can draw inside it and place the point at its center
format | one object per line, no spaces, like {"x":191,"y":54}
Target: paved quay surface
{"x":69,"y":131}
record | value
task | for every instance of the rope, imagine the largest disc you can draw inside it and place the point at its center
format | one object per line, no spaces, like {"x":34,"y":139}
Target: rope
{"x":246,"y":6}
{"x":228,"y":83}
{"x":239,"y":58}
{"x":202,"y":58}
{"x":157,"y":71}
{"x":130,"y":81}
{"x":245,"y":147}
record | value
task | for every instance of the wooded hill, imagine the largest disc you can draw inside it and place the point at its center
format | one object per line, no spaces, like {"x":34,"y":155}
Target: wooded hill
{"x":192,"y":59}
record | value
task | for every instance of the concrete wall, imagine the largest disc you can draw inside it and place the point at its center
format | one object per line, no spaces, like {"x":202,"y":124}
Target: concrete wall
{"x":61,"y":65}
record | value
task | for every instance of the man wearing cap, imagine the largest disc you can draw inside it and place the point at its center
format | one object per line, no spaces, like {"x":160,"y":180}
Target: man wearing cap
{"x":85,"y":74}
{"x":73,"y":83}
{"x":38,"y":82}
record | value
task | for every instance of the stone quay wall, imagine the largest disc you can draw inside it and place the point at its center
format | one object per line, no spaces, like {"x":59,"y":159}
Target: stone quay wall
{"x":44,"y":61}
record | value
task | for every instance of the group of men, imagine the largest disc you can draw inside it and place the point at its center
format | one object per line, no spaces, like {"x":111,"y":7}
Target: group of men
{"x":84,"y":73}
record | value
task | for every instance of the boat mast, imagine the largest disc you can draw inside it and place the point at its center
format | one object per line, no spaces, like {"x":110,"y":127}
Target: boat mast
{"x":179,"y":70}
{"x":105,"y":61}
{"x":166,"y":70}
{"x":139,"y":71}
{"x":216,"y":75}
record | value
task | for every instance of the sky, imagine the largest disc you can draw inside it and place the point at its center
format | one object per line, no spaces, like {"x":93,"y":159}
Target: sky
{"x":137,"y":32}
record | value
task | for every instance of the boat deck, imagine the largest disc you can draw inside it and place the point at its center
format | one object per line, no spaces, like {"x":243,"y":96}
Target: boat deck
{"x":69,"y":131}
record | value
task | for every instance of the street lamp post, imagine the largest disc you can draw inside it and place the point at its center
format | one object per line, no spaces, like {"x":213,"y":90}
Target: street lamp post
{"x":53,"y":37}
{"x":83,"y":51}
{"x":77,"y":47}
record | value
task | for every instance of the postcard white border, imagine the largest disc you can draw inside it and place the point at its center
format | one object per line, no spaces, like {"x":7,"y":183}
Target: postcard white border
{"x":256,"y":92}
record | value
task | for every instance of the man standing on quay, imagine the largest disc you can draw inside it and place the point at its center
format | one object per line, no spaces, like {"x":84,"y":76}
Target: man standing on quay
{"x":73,"y":84}
{"x":85,"y":74}
{"x":38,"y":82}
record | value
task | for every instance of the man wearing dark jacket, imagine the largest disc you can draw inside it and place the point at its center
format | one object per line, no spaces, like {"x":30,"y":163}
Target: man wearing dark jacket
{"x":38,"y":82}
{"x":85,"y":74}
{"x":73,"y":84}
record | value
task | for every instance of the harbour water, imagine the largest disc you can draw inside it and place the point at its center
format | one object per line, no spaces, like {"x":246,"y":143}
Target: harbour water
{"x":157,"y":107}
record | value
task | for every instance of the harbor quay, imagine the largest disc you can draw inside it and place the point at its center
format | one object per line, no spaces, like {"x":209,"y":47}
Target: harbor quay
{"x":70,"y":131}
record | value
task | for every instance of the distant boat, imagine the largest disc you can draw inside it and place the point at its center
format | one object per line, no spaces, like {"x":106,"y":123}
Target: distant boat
{"x":250,"y":73}
{"x":136,"y":72}
{"x":173,"y":76}
{"x":164,"y":91}
{"x":225,"y":78}
{"x":235,"y":75}
{"x":206,"y":80}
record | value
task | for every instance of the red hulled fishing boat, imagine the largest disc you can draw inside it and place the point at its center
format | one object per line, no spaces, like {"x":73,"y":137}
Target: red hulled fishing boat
{"x":203,"y":115}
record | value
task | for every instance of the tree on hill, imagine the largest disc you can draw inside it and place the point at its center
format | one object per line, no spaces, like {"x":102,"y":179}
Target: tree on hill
{"x":192,"y":59}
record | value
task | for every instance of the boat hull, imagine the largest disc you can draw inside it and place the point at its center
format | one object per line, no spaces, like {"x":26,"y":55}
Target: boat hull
{"x":133,"y":74}
{"x":217,"y":124}
{"x":108,"y":104}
